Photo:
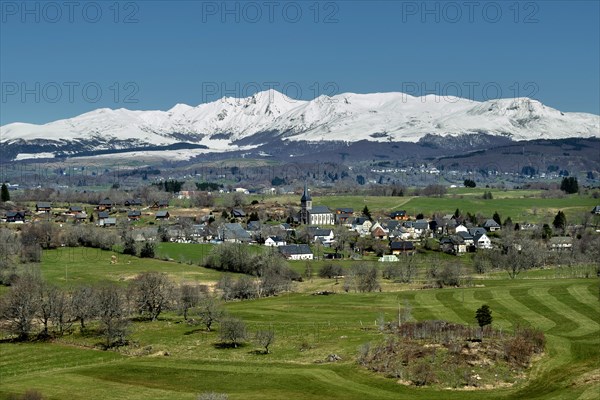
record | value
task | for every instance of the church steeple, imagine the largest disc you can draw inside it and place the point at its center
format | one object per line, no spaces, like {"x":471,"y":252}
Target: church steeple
{"x":305,"y":196}
{"x":305,"y":205}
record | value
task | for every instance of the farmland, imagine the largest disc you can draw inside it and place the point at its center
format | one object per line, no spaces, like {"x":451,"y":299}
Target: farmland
{"x":169,"y":359}
{"x":520,"y":205}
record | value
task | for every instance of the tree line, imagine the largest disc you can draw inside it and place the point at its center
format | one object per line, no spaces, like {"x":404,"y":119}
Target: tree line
{"x":35,"y":309}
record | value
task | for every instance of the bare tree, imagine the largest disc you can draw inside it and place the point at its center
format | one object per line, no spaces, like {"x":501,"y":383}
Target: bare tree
{"x":265,"y":338}
{"x":62,"y":311}
{"x":152,"y":292}
{"x":83,"y":304}
{"x":362,"y":278}
{"x":203,"y":199}
{"x":47,"y":299}
{"x":521,"y":254}
{"x":112,"y":312}
{"x":210,"y":311}
{"x":10,"y":247}
{"x":189,"y":297}
{"x":20,"y":305}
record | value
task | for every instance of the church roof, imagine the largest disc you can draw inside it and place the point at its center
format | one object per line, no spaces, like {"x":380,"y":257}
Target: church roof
{"x":320,"y":210}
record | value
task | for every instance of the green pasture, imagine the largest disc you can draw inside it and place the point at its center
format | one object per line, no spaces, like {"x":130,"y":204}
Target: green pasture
{"x":170,"y":359}
{"x":71,"y":266}
{"x":520,"y":205}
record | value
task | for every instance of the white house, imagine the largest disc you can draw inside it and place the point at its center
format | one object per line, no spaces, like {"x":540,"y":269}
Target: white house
{"x":322,"y":235}
{"x":275,"y":241}
{"x":461,"y":228}
{"x":296,"y":252}
{"x":362,"y":226}
{"x":483,"y":241}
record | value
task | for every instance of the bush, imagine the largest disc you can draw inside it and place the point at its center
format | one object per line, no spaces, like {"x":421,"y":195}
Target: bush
{"x":362,"y":278}
{"x":233,"y":330}
{"x":422,"y":373}
{"x":330,"y":271}
{"x":147,"y":250}
{"x":448,"y":276}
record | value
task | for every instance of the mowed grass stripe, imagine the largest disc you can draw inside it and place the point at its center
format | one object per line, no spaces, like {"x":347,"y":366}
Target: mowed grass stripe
{"x":571,"y":322}
{"x":427,"y":299}
{"x":562,"y":324}
{"x":502,"y":310}
{"x":449,"y":298}
{"x":265,"y":381}
{"x":25,"y":358}
{"x":594,"y":290}
{"x":584,"y":324}
{"x":78,"y":387}
{"x":583,"y":295}
{"x":530,"y":316}
{"x":570,"y":298}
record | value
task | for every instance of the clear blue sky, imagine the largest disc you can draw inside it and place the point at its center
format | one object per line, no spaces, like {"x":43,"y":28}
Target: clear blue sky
{"x":191,"y":52}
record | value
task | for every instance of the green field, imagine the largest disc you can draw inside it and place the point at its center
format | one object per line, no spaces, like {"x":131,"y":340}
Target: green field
{"x":71,"y":266}
{"x":308,"y":329}
{"x":520,"y":205}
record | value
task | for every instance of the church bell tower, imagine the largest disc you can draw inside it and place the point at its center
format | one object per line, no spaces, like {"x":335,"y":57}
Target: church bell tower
{"x":306,"y":206}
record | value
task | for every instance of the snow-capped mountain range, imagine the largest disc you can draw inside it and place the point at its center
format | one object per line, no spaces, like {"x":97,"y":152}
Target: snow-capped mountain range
{"x":231,"y":122}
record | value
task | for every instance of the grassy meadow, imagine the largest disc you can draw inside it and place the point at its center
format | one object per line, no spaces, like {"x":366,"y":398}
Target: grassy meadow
{"x":170,"y":359}
{"x":520,"y":205}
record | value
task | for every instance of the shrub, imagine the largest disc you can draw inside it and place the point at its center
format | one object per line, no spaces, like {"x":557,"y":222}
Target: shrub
{"x":422,"y":373}
{"x":330,"y":271}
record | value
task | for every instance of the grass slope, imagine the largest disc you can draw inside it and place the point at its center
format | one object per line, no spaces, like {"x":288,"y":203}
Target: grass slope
{"x":308,"y":329}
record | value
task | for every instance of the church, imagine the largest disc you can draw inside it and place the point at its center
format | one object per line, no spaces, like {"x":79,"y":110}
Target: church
{"x":317,"y":215}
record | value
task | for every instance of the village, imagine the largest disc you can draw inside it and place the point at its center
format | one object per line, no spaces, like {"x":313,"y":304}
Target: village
{"x":304,"y":232}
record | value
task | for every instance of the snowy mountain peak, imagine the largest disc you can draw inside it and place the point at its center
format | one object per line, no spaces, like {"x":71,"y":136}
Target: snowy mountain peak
{"x":345,"y":117}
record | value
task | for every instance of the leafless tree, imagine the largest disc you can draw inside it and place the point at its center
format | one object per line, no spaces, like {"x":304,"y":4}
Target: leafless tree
{"x":265,"y":338}
{"x":434,"y":190}
{"x":521,"y":253}
{"x":47,"y":298}
{"x":362,"y":278}
{"x":151,"y":293}
{"x":20,"y":305}
{"x":235,"y":199}
{"x":190,"y":296}
{"x":226,"y":284}
{"x":62,"y":311}
{"x":10,"y":248}
{"x":203,"y":199}
{"x":44,"y":234}
{"x":403,"y":271}
{"x":83,"y":305}
{"x":113,"y":313}
{"x":210,"y":311}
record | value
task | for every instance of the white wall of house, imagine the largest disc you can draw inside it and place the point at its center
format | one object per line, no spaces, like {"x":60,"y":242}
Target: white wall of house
{"x":301,"y":257}
{"x":484,"y":242}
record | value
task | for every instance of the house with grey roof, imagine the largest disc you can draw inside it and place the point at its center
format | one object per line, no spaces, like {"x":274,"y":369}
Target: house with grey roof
{"x":43,"y":206}
{"x":296,"y":252}
{"x":162,"y":215}
{"x":234,"y":233}
{"x":491,"y":226}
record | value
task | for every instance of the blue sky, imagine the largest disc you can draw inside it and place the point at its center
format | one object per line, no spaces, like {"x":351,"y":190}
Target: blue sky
{"x":57,"y":62}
